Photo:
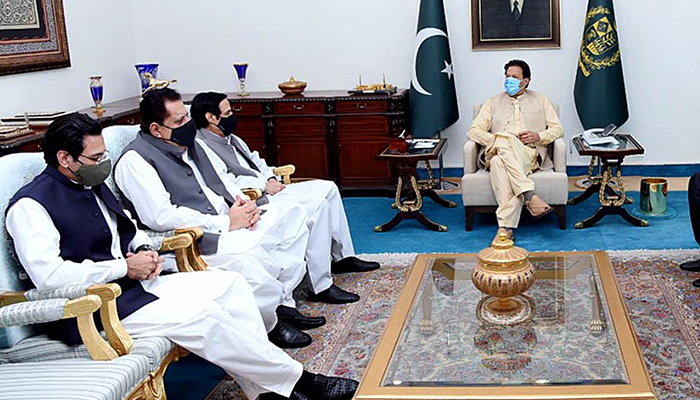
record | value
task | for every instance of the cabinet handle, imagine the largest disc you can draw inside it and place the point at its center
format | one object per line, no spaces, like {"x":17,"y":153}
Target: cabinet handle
{"x":131,"y":121}
{"x":299,"y":107}
{"x":362,"y":106}
{"x":238,"y":109}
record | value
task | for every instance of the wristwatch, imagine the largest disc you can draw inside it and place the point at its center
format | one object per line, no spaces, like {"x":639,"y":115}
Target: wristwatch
{"x":144,"y":247}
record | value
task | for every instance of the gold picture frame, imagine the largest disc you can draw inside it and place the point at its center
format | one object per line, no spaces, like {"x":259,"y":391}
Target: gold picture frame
{"x":33,"y":37}
{"x":495,"y":27}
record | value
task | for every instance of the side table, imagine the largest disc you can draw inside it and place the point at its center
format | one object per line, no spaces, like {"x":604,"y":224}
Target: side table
{"x":409,"y":200}
{"x":611,"y":201}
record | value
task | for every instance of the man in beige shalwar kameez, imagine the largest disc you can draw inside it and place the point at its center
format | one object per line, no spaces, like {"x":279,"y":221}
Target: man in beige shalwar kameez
{"x":514,"y":129}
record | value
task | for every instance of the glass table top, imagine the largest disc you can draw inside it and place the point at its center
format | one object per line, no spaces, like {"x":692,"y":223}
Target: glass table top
{"x":448,"y":339}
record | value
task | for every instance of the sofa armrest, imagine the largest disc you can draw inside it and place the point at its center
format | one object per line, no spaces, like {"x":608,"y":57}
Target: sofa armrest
{"x":117,"y":336}
{"x":559,"y":155}
{"x":82,"y":308}
{"x":252,"y":193}
{"x":471,"y":153}
{"x":285,"y":172}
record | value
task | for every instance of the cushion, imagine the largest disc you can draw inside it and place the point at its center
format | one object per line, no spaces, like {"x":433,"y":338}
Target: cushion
{"x":16,"y":171}
{"x":80,"y":379}
{"x":116,"y":138}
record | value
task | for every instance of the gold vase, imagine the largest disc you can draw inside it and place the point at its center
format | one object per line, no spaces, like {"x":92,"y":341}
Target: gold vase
{"x":503,"y":271}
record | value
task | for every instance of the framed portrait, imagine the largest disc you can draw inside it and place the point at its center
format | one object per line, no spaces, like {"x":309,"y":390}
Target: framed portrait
{"x":515,"y":24}
{"x":32,"y":36}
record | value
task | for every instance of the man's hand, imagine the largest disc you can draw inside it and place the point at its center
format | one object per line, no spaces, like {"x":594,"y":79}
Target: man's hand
{"x":529,"y":137}
{"x":243,"y":214}
{"x":273,"y":186}
{"x":144,"y":265}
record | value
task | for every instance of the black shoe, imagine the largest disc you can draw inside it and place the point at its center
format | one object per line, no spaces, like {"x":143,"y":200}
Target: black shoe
{"x":293,"y":317}
{"x":334,"y":295}
{"x":353,"y":264}
{"x":286,"y":336}
{"x":326,"y":387}
{"x":692,"y":266}
{"x":696,"y":283}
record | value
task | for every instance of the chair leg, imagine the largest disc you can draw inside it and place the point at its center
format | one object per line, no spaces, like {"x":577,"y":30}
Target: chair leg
{"x":561,"y":215}
{"x":469,"y":214}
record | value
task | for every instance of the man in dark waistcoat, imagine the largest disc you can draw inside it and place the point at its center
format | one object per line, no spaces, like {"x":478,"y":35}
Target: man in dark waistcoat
{"x":69,"y":228}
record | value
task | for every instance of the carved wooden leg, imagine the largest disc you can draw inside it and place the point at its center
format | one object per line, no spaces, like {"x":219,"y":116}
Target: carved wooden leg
{"x":561,"y":215}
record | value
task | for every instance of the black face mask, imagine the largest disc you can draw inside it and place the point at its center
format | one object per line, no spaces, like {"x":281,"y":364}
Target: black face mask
{"x":228,"y":125}
{"x":184,"y":135}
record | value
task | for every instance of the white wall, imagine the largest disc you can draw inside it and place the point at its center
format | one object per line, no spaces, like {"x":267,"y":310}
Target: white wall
{"x":327,"y":43}
{"x":101,"y":42}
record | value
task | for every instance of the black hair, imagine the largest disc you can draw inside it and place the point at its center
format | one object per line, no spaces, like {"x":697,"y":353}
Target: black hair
{"x":204,"y":103}
{"x":67,"y":133}
{"x":152,"y":107}
{"x":523,"y":65}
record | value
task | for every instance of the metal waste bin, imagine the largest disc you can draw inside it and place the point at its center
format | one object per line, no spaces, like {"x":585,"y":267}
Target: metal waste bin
{"x":653,"y":194}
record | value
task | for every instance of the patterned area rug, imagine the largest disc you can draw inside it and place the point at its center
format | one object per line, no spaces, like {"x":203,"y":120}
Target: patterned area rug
{"x":664,"y":307}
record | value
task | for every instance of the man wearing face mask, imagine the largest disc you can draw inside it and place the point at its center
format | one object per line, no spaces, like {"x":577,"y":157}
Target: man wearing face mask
{"x":165,"y":190}
{"x":68,"y":228}
{"x":514,"y":129}
{"x":239,"y":167}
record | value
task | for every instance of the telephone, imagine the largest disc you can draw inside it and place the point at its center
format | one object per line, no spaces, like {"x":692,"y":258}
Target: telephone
{"x":601,"y":136}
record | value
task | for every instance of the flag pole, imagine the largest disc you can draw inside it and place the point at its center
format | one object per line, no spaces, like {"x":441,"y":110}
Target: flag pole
{"x":442,"y":184}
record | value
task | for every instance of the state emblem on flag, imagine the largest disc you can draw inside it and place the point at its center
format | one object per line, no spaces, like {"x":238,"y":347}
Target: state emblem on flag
{"x":599,"y":48}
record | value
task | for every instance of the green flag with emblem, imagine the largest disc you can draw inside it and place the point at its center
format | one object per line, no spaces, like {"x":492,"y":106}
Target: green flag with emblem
{"x":433,"y":98}
{"x":599,"y":91}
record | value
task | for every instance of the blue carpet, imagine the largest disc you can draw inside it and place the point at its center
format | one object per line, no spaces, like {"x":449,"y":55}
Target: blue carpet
{"x":611,"y":233}
{"x":191,"y":378}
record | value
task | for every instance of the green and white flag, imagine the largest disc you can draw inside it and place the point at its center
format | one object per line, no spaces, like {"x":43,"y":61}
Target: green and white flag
{"x":433,"y":98}
{"x":599,"y":91}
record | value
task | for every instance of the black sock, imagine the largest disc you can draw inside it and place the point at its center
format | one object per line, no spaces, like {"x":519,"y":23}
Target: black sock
{"x":528,"y":195}
{"x":305,"y":382}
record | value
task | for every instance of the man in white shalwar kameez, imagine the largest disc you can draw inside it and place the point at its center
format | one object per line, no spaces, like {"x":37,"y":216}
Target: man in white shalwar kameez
{"x":163,"y":186}
{"x":68,"y":228}
{"x":330,"y":247}
{"x":514,"y":129}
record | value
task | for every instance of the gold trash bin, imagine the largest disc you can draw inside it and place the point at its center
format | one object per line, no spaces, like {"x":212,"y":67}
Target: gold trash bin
{"x":653,"y":193}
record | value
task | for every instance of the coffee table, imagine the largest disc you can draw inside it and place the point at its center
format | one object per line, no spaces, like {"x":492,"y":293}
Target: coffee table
{"x":578,"y":343}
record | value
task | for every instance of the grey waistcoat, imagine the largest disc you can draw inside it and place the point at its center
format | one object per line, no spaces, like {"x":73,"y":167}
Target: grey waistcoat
{"x":179,"y":180}
{"x":227,"y":153}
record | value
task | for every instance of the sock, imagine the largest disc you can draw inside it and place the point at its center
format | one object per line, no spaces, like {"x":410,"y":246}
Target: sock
{"x":528,"y":195}
{"x":305,"y":382}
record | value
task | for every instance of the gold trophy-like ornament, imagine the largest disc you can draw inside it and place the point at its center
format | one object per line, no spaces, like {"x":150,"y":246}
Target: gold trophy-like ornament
{"x":504,"y":272}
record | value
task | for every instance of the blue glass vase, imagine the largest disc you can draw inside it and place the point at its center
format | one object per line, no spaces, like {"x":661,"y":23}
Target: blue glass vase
{"x":241,"y":69}
{"x":142,"y":69}
{"x":97,"y":92}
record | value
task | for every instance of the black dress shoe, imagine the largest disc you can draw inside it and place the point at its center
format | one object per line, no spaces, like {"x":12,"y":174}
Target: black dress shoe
{"x":353,"y":264}
{"x":286,"y":336}
{"x":327,"y":387}
{"x":696,"y":283}
{"x":293,"y":317}
{"x":692,"y":266}
{"x":334,"y":295}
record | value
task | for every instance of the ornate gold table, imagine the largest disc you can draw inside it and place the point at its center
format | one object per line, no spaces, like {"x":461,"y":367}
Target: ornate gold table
{"x":574,"y":342}
{"x":611,"y":202}
{"x":409,"y":198}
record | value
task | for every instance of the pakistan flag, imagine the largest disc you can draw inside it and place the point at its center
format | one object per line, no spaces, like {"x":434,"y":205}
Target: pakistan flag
{"x":599,"y":91}
{"x":433,"y":99}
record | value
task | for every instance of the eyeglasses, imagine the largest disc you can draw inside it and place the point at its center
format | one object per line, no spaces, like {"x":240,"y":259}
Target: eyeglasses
{"x":96,"y":160}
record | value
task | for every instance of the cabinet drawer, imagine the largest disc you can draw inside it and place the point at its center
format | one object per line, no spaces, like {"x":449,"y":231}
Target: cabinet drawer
{"x":300,"y":127}
{"x":377,"y":126}
{"x":132,"y":119}
{"x":246,"y":108}
{"x":361,"y":106}
{"x":298,"y":108}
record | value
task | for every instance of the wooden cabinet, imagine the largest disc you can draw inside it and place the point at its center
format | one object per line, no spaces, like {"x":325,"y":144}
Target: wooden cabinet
{"x":325,"y":134}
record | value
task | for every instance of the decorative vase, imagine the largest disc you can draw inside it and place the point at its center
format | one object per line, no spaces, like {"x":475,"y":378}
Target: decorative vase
{"x":97,"y":92}
{"x":503,"y":271}
{"x":292,"y":86}
{"x":142,"y":69}
{"x":241,"y":70}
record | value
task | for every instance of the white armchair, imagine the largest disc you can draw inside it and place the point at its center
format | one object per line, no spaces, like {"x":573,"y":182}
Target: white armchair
{"x":552,"y":186}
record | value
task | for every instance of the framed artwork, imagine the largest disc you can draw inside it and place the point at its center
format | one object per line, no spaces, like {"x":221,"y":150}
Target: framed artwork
{"x":515,"y":24}
{"x":32,"y":36}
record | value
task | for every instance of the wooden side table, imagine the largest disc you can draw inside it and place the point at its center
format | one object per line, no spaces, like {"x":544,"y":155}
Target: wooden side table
{"x":409,"y":199}
{"x":611,"y":201}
